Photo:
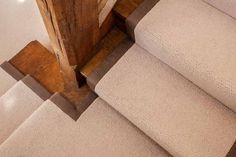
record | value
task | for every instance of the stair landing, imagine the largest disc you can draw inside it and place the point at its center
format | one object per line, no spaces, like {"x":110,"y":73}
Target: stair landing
{"x":42,"y":65}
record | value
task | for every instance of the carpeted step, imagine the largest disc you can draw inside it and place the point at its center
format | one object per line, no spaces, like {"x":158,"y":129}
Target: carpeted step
{"x":8,"y":76}
{"x":195,"y":39}
{"x":18,"y":103}
{"x":173,"y":111}
{"x":100,"y":132}
{"x":227,"y":6}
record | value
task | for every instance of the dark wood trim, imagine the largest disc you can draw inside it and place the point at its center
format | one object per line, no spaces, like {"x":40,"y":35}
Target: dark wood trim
{"x":36,"y":87}
{"x":108,"y":62}
{"x":62,"y":103}
{"x":137,"y":15}
{"x":11,"y":70}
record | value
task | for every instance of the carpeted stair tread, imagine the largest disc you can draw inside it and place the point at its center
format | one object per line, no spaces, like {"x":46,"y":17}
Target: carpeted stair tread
{"x":227,"y":6}
{"x":196,"y":40}
{"x":8,"y":76}
{"x":100,"y":132}
{"x":174,"y":112}
{"x":17,"y":104}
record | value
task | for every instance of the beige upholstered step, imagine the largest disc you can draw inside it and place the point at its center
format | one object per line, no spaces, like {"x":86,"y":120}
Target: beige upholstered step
{"x":100,"y":132}
{"x":174,"y":112}
{"x":18,"y":103}
{"x":8,"y":77}
{"x":196,"y":40}
{"x":227,"y":6}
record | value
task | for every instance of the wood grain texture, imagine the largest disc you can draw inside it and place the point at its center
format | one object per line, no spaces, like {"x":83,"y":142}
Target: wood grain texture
{"x":125,"y":7}
{"x":101,"y":4}
{"x":72,"y":26}
{"x":107,"y":45}
{"x":107,"y":25}
{"x":57,"y":72}
{"x":42,"y":65}
{"x":74,"y":31}
{"x":60,"y":33}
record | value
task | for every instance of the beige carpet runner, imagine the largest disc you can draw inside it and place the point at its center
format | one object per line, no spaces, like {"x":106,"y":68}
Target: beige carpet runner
{"x":227,"y":6}
{"x":17,"y":104}
{"x":170,"y":82}
{"x":173,"y":93}
{"x":174,"y":112}
{"x":196,"y":40}
{"x":8,"y":77}
{"x":100,"y":132}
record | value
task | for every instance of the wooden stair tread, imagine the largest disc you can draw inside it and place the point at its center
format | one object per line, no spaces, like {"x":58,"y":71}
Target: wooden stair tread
{"x":125,"y":7}
{"x":107,"y":45}
{"x":41,"y":64}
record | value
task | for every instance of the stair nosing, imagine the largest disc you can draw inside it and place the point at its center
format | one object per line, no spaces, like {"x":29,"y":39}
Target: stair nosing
{"x":64,"y":105}
{"x":36,"y":87}
{"x":107,"y":64}
{"x":138,"y":14}
{"x":12,"y":71}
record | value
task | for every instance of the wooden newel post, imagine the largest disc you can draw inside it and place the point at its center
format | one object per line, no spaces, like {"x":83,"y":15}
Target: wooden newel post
{"x":73,"y":29}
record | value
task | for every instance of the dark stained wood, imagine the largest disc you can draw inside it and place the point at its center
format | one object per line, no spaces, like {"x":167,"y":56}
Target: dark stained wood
{"x":107,"y":25}
{"x":76,"y":96}
{"x":42,"y":65}
{"x":122,"y":10}
{"x":232,"y":152}
{"x":107,"y":45}
{"x":125,"y":7}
